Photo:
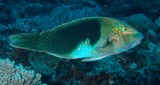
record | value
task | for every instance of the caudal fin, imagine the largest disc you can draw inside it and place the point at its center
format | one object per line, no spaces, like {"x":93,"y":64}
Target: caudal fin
{"x":24,"y":40}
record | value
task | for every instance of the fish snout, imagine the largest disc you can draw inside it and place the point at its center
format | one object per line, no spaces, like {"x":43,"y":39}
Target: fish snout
{"x":139,"y":37}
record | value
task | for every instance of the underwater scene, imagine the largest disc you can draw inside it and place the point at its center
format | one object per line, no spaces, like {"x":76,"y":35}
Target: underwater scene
{"x":79,"y":42}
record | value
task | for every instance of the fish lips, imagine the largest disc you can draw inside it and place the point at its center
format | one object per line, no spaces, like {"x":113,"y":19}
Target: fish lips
{"x":139,"y":39}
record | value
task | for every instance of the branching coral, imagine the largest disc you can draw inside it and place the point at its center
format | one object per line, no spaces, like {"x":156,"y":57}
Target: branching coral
{"x":11,"y":74}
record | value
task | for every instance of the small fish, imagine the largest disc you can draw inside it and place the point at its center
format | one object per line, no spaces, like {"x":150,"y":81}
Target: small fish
{"x":91,"y":38}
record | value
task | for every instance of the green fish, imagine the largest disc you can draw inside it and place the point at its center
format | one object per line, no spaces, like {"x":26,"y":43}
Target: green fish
{"x":91,"y":38}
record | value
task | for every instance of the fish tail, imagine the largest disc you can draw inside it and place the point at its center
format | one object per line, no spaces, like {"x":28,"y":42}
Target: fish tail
{"x":24,"y":40}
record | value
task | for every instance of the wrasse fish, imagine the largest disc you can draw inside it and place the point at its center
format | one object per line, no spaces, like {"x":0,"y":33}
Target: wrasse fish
{"x":91,"y":38}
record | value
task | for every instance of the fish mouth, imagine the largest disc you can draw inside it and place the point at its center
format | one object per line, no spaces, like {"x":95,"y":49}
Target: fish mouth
{"x":139,"y":39}
{"x":140,"y":36}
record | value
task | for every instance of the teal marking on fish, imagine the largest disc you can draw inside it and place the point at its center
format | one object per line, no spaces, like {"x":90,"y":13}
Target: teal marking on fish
{"x":91,"y":38}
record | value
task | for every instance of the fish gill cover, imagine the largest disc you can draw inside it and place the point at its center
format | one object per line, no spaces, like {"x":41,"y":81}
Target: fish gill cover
{"x":137,"y":66}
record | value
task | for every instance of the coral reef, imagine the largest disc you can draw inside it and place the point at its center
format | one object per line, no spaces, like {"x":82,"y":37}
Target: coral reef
{"x":158,"y":22}
{"x":121,"y":8}
{"x":16,"y":74}
{"x":44,"y":64}
{"x":141,"y":22}
{"x":138,"y":66}
{"x":57,"y":16}
{"x":145,"y":25}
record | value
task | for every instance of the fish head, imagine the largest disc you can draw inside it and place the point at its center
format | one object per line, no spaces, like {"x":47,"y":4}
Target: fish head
{"x":117,"y":37}
{"x":124,"y":37}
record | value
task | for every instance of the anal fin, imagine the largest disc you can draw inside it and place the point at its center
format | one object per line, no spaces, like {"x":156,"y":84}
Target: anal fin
{"x":93,"y":59}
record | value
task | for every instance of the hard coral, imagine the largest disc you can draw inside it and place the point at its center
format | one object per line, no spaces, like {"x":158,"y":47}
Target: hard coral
{"x":12,"y":74}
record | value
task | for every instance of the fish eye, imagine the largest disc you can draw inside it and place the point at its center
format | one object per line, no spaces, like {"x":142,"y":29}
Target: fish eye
{"x":119,"y":28}
{"x":124,"y":29}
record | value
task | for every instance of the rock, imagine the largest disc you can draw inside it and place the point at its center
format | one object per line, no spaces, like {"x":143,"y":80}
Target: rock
{"x":141,"y":22}
{"x":133,"y":66}
{"x":33,"y":9}
{"x":158,"y":22}
{"x":152,"y":35}
{"x":2,"y":28}
{"x":59,"y":16}
{"x":4,"y":8}
{"x":43,"y":63}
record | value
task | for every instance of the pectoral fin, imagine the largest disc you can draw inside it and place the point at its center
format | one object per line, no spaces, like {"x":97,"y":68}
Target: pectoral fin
{"x":104,"y":43}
